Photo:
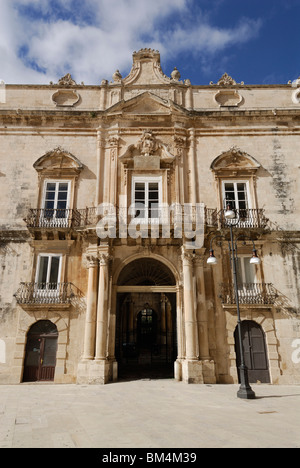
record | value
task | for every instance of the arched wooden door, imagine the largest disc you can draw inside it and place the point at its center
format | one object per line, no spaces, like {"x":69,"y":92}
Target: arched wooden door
{"x":40,"y":356}
{"x":255,"y":351}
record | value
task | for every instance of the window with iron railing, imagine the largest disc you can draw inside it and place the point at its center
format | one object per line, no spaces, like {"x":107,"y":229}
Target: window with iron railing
{"x":55,"y":204}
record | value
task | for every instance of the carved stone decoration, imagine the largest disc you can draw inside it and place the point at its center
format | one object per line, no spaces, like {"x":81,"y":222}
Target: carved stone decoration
{"x":65,"y":98}
{"x":117,"y":77}
{"x":148,"y":153}
{"x":67,"y":80}
{"x":146,"y":69}
{"x":58,"y":161}
{"x":175,"y":75}
{"x":295,"y":83}
{"x":296,"y":93}
{"x":235,"y":160}
{"x":226,"y":80}
{"x":228,"y":98}
{"x":147,"y":144}
{"x":296,"y":96}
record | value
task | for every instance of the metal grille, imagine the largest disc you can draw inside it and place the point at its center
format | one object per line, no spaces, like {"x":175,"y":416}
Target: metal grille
{"x":249,"y":293}
{"x":45,"y":293}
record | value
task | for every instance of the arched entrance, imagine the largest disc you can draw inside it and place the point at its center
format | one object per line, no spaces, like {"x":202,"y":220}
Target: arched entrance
{"x":255,"y":351}
{"x":40,"y":354}
{"x":146,"y":342}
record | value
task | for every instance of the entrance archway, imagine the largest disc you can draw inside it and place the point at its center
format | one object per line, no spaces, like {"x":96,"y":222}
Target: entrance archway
{"x":40,"y":354}
{"x":146,"y":338}
{"x":255,"y":351}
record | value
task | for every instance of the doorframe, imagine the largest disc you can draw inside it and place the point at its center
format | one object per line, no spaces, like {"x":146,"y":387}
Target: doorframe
{"x":263,"y":316}
{"x":42,"y":337}
{"x":238,"y":356}
{"x":143,"y":289}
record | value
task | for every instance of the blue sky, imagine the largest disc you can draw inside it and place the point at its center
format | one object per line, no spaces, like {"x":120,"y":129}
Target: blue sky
{"x":255,"y":41}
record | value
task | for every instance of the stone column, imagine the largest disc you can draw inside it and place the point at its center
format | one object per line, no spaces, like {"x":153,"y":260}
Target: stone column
{"x":180,"y":145}
{"x":180,"y":333}
{"x":100,"y":166}
{"x":113,"y":141}
{"x":90,"y":320}
{"x":192,"y":169}
{"x":189,"y":309}
{"x":102,"y":308}
{"x":208,"y":365}
{"x":191,"y":367}
{"x":101,"y":368}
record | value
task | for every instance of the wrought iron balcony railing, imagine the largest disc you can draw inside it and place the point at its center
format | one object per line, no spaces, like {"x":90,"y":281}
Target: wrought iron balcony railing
{"x":51,"y":218}
{"x":82,"y":218}
{"x":126,"y":215}
{"x":45,"y":293}
{"x":250,"y":218}
{"x":249,"y":293}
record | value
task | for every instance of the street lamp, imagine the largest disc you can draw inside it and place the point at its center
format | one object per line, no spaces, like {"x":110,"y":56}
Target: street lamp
{"x":245,"y":391}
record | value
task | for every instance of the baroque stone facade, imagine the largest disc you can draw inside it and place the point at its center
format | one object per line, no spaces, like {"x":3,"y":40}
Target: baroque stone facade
{"x":112,"y":197}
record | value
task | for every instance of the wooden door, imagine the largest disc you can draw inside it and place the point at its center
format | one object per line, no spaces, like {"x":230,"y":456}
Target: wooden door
{"x":40,"y":356}
{"x":255,"y":352}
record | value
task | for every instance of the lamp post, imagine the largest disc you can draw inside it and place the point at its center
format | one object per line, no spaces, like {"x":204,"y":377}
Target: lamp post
{"x":245,"y":391}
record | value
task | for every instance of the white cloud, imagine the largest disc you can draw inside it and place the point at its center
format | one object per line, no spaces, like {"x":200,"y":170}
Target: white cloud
{"x":210,"y":39}
{"x":91,"y":39}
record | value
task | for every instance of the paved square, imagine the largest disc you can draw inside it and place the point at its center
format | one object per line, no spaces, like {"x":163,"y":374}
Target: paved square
{"x":148,"y":414}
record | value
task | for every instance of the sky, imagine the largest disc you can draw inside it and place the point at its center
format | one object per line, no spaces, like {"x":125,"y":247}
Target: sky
{"x":254,"y":41}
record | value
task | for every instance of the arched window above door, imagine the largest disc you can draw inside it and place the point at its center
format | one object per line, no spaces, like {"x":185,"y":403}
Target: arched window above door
{"x":146,"y":271}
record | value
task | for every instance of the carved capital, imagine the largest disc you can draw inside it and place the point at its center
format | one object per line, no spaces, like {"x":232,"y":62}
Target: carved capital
{"x":92,"y":261}
{"x":113,"y":140}
{"x":187,"y":256}
{"x":104,"y":258}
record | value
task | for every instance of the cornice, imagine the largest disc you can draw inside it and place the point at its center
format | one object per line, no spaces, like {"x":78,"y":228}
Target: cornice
{"x":85,"y":121}
{"x":168,"y":84}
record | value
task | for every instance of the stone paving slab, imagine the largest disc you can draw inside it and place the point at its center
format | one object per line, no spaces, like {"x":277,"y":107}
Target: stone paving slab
{"x":148,"y":414}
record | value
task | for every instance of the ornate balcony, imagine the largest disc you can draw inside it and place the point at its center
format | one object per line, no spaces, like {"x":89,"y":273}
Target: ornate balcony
{"x":37,"y":294}
{"x":177,"y":215}
{"x":51,"y":218}
{"x":250,"y":218}
{"x":249,"y":293}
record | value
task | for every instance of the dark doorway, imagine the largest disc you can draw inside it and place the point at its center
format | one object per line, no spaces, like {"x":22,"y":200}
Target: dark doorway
{"x":40,"y":355}
{"x":254,"y":345}
{"x":146,"y":328}
{"x":146,"y":335}
{"x":146,"y":345}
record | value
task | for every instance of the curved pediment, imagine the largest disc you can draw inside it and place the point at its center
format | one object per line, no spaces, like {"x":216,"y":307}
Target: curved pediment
{"x":58,"y":160}
{"x":234,"y":160}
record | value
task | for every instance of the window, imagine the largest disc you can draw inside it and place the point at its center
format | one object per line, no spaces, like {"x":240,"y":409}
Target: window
{"x":56,"y":203}
{"x":236,"y":193}
{"x":48,"y":271}
{"x":246,"y":273}
{"x":146,"y":197}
